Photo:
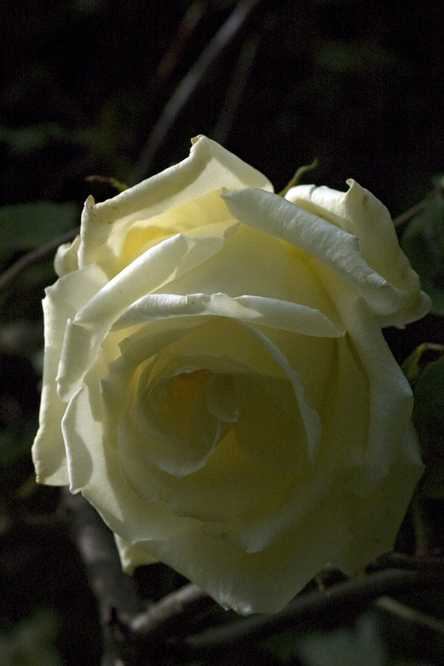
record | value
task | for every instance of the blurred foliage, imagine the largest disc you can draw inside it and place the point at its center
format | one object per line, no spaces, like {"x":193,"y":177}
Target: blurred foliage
{"x":423,"y":242}
{"x":30,"y":643}
{"x":360,"y":646}
{"x":27,"y":226}
{"x":427,"y":379}
{"x":359,"y":85}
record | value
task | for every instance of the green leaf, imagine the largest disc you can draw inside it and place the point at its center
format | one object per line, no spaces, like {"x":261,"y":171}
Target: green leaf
{"x":27,"y":226}
{"x":428,"y":419}
{"x":282,"y":645}
{"x":417,"y":361}
{"x":423,"y":243}
{"x":35,"y":137}
{"x":361,"y":646}
{"x":343,"y":59}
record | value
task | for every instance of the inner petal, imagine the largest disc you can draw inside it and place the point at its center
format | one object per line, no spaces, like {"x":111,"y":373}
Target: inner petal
{"x":181,"y":417}
{"x":221,"y":398}
{"x":176,"y":399}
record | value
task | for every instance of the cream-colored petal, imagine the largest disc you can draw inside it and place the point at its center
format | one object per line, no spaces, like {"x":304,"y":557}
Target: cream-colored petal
{"x":230,"y":486}
{"x":390,"y":396}
{"x":310,"y":417}
{"x":95,"y":471}
{"x":209,"y":167}
{"x":319,"y":238}
{"x":221,"y":345}
{"x":131,"y":556}
{"x":66,"y":259}
{"x":176,"y":431}
{"x":62,"y":301}
{"x":375,"y":520}
{"x":244,"y":266}
{"x":86,"y":332}
{"x":263,"y":581}
{"x":267,"y":312}
{"x":359,"y":212}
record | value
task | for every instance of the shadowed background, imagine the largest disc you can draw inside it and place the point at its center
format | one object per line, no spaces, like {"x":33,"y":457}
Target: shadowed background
{"x":116,"y":89}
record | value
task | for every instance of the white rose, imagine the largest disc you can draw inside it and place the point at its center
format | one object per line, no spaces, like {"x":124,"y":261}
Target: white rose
{"x":216,"y":382}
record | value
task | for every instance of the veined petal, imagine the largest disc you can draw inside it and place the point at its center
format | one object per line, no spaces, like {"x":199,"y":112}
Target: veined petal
{"x":270,"y":312}
{"x":359,"y":212}
{"x":85,"y":333}
{"x":334,"y":247}
{"x":62,"y":301}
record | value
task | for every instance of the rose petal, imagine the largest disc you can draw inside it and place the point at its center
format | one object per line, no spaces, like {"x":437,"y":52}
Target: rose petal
{"x":251,"y":582}
{"x":92,"y":322}
{"x":62,"y":301}
{"x":209,"y":167}
{"x":390,"y":399}
{"x":359,"y":212}
{"x":119,"y":506}
{"x":254,"y":309}
{"x":319,"y":238}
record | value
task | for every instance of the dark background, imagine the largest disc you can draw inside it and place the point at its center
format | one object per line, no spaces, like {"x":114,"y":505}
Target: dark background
{"x":358,"y":84}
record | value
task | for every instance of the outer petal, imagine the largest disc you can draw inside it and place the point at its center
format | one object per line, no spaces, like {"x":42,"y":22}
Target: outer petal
{"x":209,"y":167}
{"x":62,"y":301}
{"x":131,"y":556}
{"x":66,"y":259}
{"x":375,"y":520}
{"x":334,"y":247}
{"x":91,"y":324}
{"x":260,"y":582}
{"x":391,"y":399}
{"x":360,"y":213}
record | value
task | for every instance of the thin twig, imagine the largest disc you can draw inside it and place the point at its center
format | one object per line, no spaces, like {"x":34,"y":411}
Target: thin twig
{"x":186,"y":28}
{"x":115,"y":592}
{"x":43,"y":252}
{"x":235,"y":90}
{"x":307,"y":610}
{"x":429,"y":564}
{"x":173,"y":614}
{"x":410,"y":614}
{"x":411,"y":212}
{"x":187,"y":86}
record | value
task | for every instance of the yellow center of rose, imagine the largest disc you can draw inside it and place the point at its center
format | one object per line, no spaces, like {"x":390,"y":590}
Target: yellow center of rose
{"x":180,"y":397}
{"x":184,"y":415}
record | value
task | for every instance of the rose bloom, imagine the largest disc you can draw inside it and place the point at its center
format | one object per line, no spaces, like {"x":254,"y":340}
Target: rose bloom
{"x":216,"y":382}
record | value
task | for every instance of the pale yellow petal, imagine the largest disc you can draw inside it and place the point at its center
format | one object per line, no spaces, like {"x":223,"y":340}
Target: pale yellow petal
{"x":209,"y":167}
{"x":62,"y":301}
{"x":359,"y":212}
{"x":131,"y":556}
{"x":268,"y":312}
{"x":66,"y":259}
{"x":336,"y":248}
{"x":87,"y":330}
